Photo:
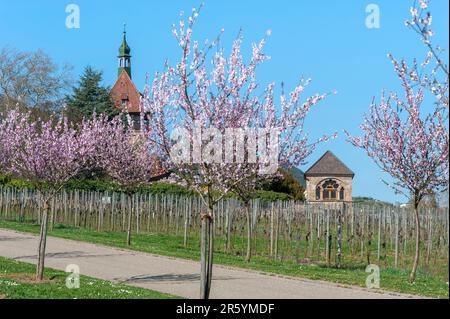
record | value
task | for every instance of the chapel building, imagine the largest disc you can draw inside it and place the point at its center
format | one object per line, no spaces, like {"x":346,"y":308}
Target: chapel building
{"x":124,"y":93}
{"x":329,"y":180}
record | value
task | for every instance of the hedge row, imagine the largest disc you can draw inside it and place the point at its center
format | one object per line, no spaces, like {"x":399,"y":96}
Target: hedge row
{"x":154,"y":188}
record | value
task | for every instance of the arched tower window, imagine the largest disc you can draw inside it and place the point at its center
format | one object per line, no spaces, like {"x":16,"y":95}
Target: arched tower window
{"x":318,"y":193}
{"x":330,"y":190}
{"x":341,"y":194}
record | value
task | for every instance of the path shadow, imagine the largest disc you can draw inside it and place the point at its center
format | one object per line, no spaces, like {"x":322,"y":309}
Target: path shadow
{"x":69,"y":254}
{"x":162,"y":278}
{"x":170,"y":278}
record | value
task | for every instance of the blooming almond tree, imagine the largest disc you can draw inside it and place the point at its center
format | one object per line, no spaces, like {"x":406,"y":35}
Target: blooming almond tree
{"x":293,"y":145}
{"x":408,"y":143}
{"x":47,"y":153}
{"x":125,"y":155}
{"x":435,"y":80}
{"x":4,"y":156}
{"x":196,"y":102}
{"x":206,"y":122}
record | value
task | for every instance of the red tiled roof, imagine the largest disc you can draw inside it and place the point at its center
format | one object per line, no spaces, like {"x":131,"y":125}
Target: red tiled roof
{"x":125,"y":90}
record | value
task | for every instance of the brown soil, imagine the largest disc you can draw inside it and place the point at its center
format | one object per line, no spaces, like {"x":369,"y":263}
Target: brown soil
{"x":27,"y":278}
{"x":2,"y":296}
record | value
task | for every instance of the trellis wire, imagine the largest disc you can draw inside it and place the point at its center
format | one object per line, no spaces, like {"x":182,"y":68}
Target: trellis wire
{"x":329,"y":233}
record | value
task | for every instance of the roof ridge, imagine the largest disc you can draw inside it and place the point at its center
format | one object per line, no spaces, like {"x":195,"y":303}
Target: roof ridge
{"x":333,"y":166}
{"x":320,"y":158}
{"x":340,"y":161}
{"x":127,"y":80}
{"x":132,"y":83}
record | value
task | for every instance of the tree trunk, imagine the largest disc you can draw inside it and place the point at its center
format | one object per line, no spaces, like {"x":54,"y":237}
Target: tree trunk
{"x":207,"y":249}
{"x":42,"y":242}
{"x":203,"y":259}
{"x":249,"y":231}
{"x":210,"y":255}
{"x":130,"y":219}
{"x":412,"y":276}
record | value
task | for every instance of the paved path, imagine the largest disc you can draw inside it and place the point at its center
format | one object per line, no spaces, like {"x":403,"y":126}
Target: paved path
{"x":170,"y":275}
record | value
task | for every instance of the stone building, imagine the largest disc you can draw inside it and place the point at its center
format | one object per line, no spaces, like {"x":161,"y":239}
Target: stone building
{"x":329,"y":180}
{"x":124,"y":94}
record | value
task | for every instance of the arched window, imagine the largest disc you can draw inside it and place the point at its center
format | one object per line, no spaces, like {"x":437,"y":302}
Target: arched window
{"x":318,"y":193}
{"x":330,"y":189}
{"x":341,"y":193}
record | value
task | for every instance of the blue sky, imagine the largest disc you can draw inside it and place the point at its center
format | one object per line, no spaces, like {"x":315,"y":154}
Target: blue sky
{"x":325,"y":40}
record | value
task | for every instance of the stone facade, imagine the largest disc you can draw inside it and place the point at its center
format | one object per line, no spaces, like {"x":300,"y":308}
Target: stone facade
{"x":329,"y":180}
{"x":313,"y":182}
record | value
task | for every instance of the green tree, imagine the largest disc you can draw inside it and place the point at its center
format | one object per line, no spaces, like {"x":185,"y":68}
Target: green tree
{"x":89,"y":97}
{"x":288,"y":183}
{"x":32,"y":81}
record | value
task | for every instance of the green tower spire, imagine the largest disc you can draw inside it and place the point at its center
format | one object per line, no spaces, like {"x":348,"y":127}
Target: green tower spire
{"x":124,"y":55}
